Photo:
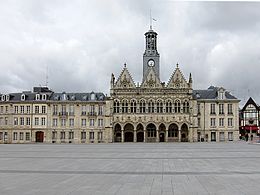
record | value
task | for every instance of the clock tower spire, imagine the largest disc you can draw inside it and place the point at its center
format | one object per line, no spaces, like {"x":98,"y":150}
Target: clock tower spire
{"x":151,"y":57}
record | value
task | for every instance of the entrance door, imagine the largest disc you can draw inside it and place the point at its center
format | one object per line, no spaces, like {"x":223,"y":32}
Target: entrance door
{"x":39,"y":136}
{"x":213,"y":136}
{"x":161,"y":137}
{"x":129,"y":137}
{"x":140,"y":137}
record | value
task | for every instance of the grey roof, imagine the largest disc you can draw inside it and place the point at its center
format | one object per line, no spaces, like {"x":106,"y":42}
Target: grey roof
{"x":211,"y":93}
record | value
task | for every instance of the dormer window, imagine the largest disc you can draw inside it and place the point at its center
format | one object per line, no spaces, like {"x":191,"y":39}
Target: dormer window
{"x":22,"y":97}
{"x":7,"y":97}
{"x":64,"y":96}
{"x":3,"y":97}
{"x":44,"y":97}
{"x":37,"y":97}
{"x":92,"y":96}
{"x":221,"y":95}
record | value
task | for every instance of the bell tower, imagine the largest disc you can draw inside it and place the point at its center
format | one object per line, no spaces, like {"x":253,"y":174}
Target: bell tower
{"x":151,"y":57}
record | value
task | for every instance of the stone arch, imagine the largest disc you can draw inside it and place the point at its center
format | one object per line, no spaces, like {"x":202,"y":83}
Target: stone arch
{"x":140,"y":133}
{"x":142,"y":106}
{"x":162,"y":132}
{"x":151,"y":132}
{"x":184,"y":133}
{"x":159,"y":105}
{"x":117,"y":132}
{"x":128,"y":132}
{"x":177,"y":106}
{"x":173,"y":132}
{"x":116,"y":106}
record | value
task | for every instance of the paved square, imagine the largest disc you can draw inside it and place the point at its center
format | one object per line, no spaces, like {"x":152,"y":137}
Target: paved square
{"x":158,"y":168}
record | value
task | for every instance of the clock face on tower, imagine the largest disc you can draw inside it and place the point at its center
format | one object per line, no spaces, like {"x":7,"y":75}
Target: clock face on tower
{"x":150,"y":63}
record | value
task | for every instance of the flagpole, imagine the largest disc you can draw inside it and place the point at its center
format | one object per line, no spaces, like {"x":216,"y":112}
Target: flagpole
{"x":150,"y":19}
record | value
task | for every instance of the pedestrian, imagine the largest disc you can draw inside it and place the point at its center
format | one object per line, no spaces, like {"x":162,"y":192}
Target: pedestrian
{"x":251,"y":137}
{"x":246,"y":136}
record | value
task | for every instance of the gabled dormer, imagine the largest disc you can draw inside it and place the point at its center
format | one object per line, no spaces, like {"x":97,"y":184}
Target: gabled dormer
{"x":178,"y":81}
{"x":221,"y":93}
{"x":23,"y":97}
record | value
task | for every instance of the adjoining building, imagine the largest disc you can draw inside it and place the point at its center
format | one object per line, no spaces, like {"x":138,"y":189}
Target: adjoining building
{"x":152,"y":111}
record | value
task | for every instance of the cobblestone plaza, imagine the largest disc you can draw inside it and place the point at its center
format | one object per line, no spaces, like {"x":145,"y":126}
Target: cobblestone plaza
{"x":180,"y":168}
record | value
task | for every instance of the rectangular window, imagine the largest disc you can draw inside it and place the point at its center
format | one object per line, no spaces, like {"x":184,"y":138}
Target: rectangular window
{"x":91,"y":135}
{"x":28,"y":109}
{"x":63,"y":122}
{"x":43,"y":121}
{"x":198,"y":107}
{"x":63,"y":110}
{"x":55,"y":109}
{"x":100,"y":110}
{"x":27,"y":136}
{"x":28,"y":121}
{"x":54,"y":135}
{"x":230,"y":136}
{"x":1,"y":135}
{"x":230,"y":122}
{"x":54,"y":122}
{"x":213,"y":122}
{"x":83,"y":110}
{"x":71,"y":110}
{"x":221,"y":108}
{"x":22,"y":109}
{"x":62,"y":135}
{"x":2,"y":109}
{"x":6,"y":109}
{"x":83,"y":135}
{"x":36,"y":121}
{"x":43,"y":109}
{"x":21,"y":136}
{"x":221,"y":136}
{"x":1,"y":121}
{"x":100,"y":122}
{"x":15,"y":136}
{"x":71,"y":135}
{"x":100,"y":136}
{"x":37,"y":109}
{"x":83,"y":122}
{"x":92,"y":110}
{"x":230,"y":109}
{"x":212,"y":109}
{"x":198,"y":122}
{"x":71,"y":121}
{"x":22,"y":121}
{"x":16,"y":109}
{"x":6,"y":120}
{"x":91,"y":122}
{"x":15,"y":121}
{"x":221,"y":122}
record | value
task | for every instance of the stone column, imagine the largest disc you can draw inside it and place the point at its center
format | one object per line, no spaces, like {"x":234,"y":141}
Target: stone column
{"x":144,"y":136}
{"x":157,"y":136}
{"x":122,"y":136}
{"x":135,"y":135}
{"x":179,"y":135}
{"x":166,"y":136}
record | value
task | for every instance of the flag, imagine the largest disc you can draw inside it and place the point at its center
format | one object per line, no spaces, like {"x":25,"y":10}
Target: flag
{"x":154,"y":19}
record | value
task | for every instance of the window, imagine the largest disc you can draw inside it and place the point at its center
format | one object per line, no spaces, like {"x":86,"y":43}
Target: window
{"x":22,"y":109}
{"x":83,"y":135}
{"x":71,"y":110}
{"x":177,"y":106}
{"x":54,"y":134}
{"x":6,"y":120}
{"x":28,"y":121}
{"x":91,"y":122}
{"x":28,"y":109}
{"x":159,"y":107}
{"x":43,"y":121}
{"x":71,"y":135}
{"x":186,"y":107}
{"x":100,"y":110}
{"x":168,"y":106}
{"x":100,"y":122}
{"x":71,"y":122}
{"x":142,"y":106}
{"x":91,"y":135}
{"x":151,"y":106}
{"x":37,"y":97}
{"x":62,"y":135}
{"x":21,"y":136}
{"x":124,"y":106}
{"x":1,"y":135}
{"x":7,"y":97}
{"x":2,"y":109}
{"x":36,"y":121}
{"x":133,"y":106}
{"x":43,"y":96}
{"x":63,"y":110}
{"x":36,"y":109}
{"x":63,"y":122}
{"x":221,"y":95}
{"x":92,"y":110}
{"x":6,"y":109}
{"x":230,"y":122}
{"x":198,"y":107}
{"x":55,"y":109}
{"x":221,"y":136}
{"x":213,"y":122}
{"x":15,"y":121}
{"x":22,"y":121}
{"x":230,"y":109}
{"x":221,"y":122}
{"x":198,"y":122}
{"x":230,"y":136}
{"x":27,"y":136}
{"x":116,"y":106}
{"x":83,"y":110}
{"x":212,"y":109}
{"x":100,"y":136}
{"x":83,"y":122}
{"x":55,"y":122}
{"x":43,"y":109}
{"x":22,"y":97}
{"x":15,"y":136}
{"x":16,"y":109}
{"x":221,"y":108}
{"x":1,"y":121}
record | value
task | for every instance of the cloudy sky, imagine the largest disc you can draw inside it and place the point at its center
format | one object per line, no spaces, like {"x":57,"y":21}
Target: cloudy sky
{"x":82,"y":42}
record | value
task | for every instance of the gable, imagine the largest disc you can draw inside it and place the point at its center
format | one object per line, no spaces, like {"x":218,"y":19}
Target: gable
{"x":151,"y":80}
{"x":177,"y":80}
{"x":125,"y":80}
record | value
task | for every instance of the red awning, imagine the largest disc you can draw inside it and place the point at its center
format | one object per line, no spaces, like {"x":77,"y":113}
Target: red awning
{"x":254,"y":128}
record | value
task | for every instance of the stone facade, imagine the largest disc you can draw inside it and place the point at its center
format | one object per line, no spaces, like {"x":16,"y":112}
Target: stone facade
{"x":153,"y":111}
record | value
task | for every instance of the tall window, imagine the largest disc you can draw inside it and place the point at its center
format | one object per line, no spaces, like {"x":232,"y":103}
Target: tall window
{"x":36,"y":121}
{"x":62,"y":135}
{"x":177,"y":106}
{"x":198,"y":122}
{"x":54,"y":135}
{"x":63,"y":110}
{"x":230,"y":109}
{"x":37,"y":109}
{"x":15,"y":136}
{"x":230,"y":122}
{"x":71,"y":135}
{"x":71,"y":122}
{"x":133,"y":106}
{"x":116,"y":106}
{"x":212,"y":109}
{"x":124,"y":106}
{"x":83,"y":134}
{"x":159,"y":106}
{"x":22,"y":121}
{"x":186,"y":107}
{"x":28,"y":121}
{"x":100,"y":110}
{"x":15,"y":121}
{"x":55,"y":122}
{"x":198,"y":107}
{"x":22,"y":109}
{"x":43,"y":121}
{"x":92,"y":110}
{"x":100,"y":122}
{"x":221,"y":108}
{"x":21,"y":136}
{"x":213,"y":122}
{"x":63,"y":122}
{"x":16,"y":109}
{"x":142,"y":106}
{"x":43,"y":109}
{"x":91,"y":122}
{"x":151,"y":106}
{"x":27,"y":136}
{"x":83,"y":110}
{"x":168,"y":106}
{"x":100,"y":136}
{"x":83,"y":122}
{"x":55,"y":109}
{"x":221,"y":122}
{"x":28,"y":109}
{"x":91,"y":135}
{"x":71,"y":110}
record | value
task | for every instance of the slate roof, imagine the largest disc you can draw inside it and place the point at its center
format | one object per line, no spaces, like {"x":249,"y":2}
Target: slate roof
{"x":211,"y":93}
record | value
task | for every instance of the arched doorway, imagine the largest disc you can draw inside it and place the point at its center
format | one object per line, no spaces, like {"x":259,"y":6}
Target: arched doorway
{"x":184,"y":133}
{"x":129,"y":133}
{"x":117,"y":133}
{"x":140,"y":133}
{"x":173,"y":133}
{"x":162,"y":132}
{"x":151,"y":133}
{"x":39,"y":136}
